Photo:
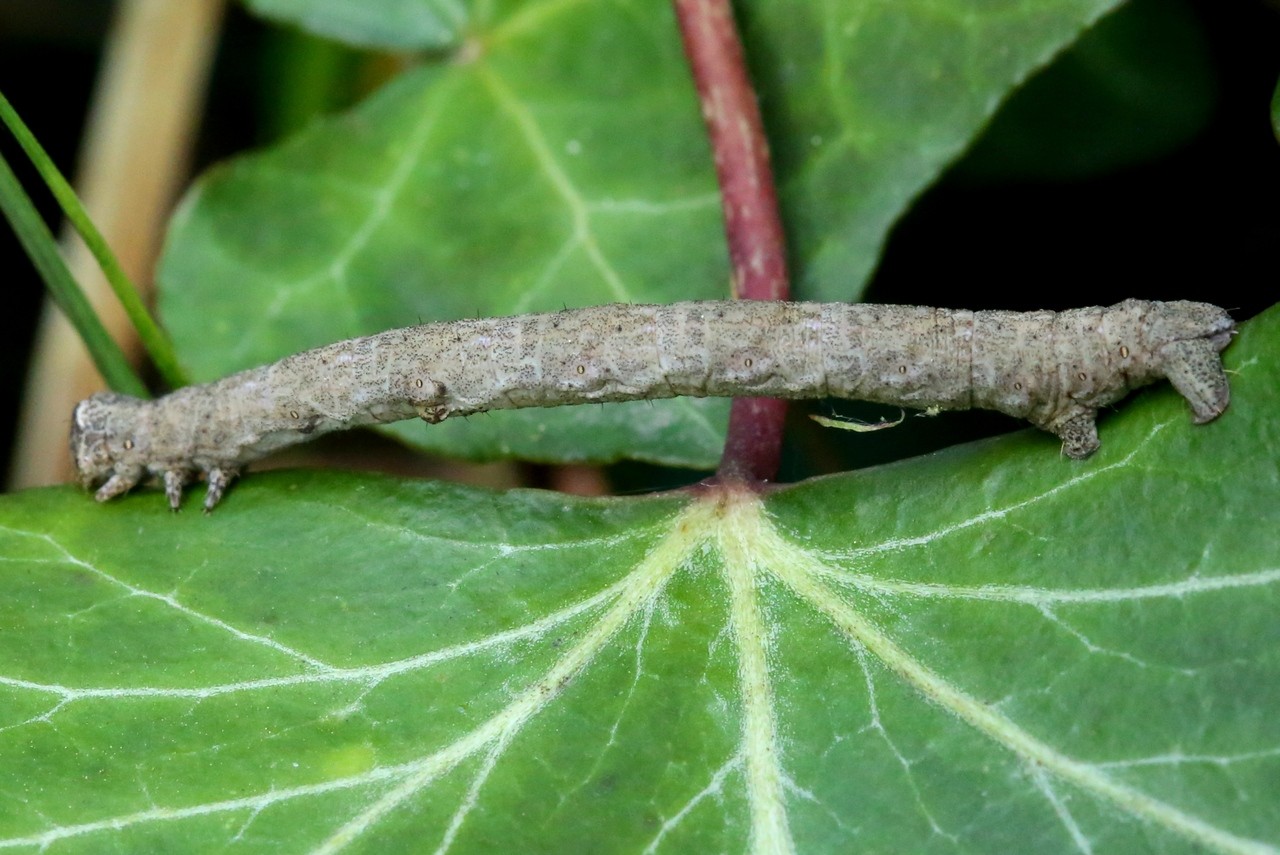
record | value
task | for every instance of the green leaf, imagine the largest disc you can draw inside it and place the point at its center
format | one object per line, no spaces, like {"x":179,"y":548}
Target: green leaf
{"x":1136,"y":87}
{"x":867,"y":103}
{"x":391,"y":24}
{"x":557,"y":158}
{"x":1275,"y":111}
{"x":989,"y":649}
{"x":503,"y":185}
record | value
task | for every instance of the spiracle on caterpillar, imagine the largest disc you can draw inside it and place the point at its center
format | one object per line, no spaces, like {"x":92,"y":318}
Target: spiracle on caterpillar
{"x":1054,"y":369}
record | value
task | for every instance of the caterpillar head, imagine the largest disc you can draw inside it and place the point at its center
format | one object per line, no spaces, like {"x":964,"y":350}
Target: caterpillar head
{"x":104,"y":443}
{"x":1188,"y":338}
{"x":1182,"y":320}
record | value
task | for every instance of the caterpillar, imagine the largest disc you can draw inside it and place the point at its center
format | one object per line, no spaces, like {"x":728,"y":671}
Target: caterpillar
{"x":1054,"y":369}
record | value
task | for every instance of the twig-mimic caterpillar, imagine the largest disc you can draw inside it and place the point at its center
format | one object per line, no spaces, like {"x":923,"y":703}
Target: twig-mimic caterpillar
{"x":1054,"y":369}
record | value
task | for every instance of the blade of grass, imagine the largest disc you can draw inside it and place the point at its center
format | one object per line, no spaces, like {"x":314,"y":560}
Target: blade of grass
{"x":43,"y":251}
{"x":157,"y":344}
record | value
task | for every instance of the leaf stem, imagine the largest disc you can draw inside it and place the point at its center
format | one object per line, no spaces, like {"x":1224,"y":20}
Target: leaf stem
{"x":753,"y":227}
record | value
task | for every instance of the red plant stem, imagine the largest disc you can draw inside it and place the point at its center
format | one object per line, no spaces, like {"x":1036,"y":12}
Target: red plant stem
{"x":757,"y":249}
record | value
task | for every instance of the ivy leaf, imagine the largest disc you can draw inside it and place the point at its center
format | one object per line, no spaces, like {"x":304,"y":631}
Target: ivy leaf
{"x":988,"y":649}
{"x":556,"y":157}
{"x":1144,"y":78}
{"x":389,"y":24}
{"x":1275,"y":112}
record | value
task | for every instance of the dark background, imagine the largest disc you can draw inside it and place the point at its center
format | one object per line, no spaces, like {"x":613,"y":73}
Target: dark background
{"x":1167,"y":187}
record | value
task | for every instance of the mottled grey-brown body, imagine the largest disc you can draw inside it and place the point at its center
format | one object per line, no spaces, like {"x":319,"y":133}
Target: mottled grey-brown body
{"x":1054,"y":369}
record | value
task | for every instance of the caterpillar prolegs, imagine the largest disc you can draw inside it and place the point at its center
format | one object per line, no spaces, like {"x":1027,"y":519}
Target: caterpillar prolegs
{"x":1054,"y":369}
